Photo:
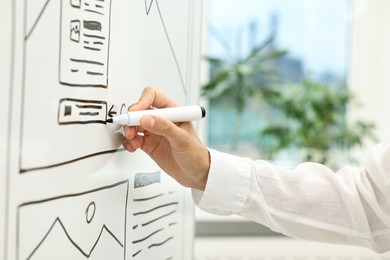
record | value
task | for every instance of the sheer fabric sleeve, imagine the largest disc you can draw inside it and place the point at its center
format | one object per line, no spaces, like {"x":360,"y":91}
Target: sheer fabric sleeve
{"x":350,"y":206}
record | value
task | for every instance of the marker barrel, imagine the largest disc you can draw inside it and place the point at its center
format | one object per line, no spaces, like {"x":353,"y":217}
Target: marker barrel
{"x":174,"y":114}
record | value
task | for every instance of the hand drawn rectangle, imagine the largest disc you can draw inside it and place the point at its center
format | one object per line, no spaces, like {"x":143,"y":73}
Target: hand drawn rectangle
{"x":77,"y":111}
{"x":75,"y":226}
{"x":85,"y":38}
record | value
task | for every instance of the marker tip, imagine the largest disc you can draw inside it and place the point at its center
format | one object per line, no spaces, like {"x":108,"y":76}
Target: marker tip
{"x":109,"y":120}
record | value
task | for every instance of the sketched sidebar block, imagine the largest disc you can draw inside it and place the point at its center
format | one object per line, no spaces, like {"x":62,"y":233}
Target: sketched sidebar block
{"x":85,"y":38}
{"x":156,"y":218}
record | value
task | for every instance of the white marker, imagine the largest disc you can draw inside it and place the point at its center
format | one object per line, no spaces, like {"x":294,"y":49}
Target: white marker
{"x":174,"y":114}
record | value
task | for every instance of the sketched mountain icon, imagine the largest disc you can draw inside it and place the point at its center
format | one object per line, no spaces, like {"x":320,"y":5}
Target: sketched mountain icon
{"x":58,"y":244}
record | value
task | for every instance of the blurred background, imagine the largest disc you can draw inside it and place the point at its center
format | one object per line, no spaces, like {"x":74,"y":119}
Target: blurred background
{"x":291,"y":81}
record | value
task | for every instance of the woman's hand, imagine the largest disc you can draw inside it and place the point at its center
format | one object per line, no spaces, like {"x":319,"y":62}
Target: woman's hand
{"x":175,"y":147}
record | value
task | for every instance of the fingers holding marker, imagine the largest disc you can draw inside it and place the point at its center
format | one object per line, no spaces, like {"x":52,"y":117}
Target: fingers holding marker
{"x":130,"y":132}
{"x":133,"y":137}
{"x":127,"y":145}
{"x":166,"y":128}
{"x":152,"y":97}
{"x":133,"y":131}
{"x":134,"y":143}
{"x":145,"y":127}
{"x":153,"y":127}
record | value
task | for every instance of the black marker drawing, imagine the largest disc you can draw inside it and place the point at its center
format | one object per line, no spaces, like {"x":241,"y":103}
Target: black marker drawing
{"x":155,"y":208}
{"x":93,"y":25}
{"x":46,"y":167}
{"x":111,"y":112}
{"x":148,"y":6}
{"x":76,"y":3}
{"x":155,"y":217}
{"x":66,"y":42}
{"x":88,"y":214}
{"x":158,"y":218}
{"x":82,"y":59}
{"x":31,"y":30}
{"x":123,"y":109}
{"x":85,"y":38}
{"x":148,"y":198}
{"x":75,"y":30}
{"x":35,"y":22}
{"x":42,"y":224}
{"x":147,"y":236}
{"x":87,"y":254}
{"x":77,"y":111}
{"x":161,"y":243}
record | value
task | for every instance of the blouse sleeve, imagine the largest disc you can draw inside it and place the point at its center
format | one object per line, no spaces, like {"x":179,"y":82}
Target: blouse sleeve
{"x":350,"y":206}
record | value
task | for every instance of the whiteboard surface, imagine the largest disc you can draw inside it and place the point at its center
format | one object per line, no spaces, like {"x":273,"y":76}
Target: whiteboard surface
{"x":73,"y":191}
{"x":5,"y":76}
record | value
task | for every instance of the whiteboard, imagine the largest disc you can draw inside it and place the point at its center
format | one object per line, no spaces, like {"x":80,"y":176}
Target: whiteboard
{"x":69,"y":189}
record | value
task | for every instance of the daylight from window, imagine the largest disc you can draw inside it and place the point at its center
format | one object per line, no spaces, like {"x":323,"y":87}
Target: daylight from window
{"x":302,"y":42}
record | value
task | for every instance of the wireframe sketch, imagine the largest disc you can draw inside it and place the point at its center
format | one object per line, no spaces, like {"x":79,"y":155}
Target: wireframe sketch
{"x":88,"y":225}
{"x":77,"y":62}
{"x":85,"y":33}
{"x":80,"y":59}
{"x":180,"y":67}
{"x":156,"y":219}
{"x":77,"y":111}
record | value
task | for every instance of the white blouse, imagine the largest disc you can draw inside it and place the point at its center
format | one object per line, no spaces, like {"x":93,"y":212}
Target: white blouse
{"x":351,"y":206}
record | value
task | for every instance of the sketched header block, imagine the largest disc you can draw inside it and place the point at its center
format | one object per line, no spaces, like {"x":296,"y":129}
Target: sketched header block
{"x":85,"y":33}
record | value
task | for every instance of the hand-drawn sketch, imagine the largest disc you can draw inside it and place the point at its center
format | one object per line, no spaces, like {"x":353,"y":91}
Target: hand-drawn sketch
{"x":157,"y":219}
{"x":85,"y":37}
{"x":83,"y":33}
{"x":75,"y":63}
{"x":76,"y":111}
{"x":180,"y":70}
{"x":75,"y":226}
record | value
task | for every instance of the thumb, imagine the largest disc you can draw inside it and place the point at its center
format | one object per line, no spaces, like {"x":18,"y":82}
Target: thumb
{"x":164,"y":127}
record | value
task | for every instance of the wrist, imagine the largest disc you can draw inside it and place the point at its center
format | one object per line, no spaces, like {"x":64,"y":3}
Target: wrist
{"x":204,"y":171}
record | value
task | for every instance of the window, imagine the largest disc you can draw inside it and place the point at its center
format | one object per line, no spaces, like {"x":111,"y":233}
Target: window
{"x":315,"y":36}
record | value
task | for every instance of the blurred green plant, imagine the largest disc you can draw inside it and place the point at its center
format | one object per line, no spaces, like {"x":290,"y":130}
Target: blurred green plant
{"x":240,"y":78}
{"x":311,"y":118}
